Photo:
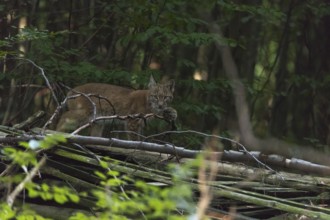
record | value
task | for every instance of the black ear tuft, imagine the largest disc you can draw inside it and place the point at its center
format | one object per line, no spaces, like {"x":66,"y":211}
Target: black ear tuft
{"x":171,"y":84}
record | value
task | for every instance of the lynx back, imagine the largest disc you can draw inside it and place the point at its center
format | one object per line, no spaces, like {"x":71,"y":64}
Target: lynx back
{"x":110,"y":99}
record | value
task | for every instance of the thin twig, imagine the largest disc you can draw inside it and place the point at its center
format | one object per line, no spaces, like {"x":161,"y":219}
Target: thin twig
{"x":8,"y":169}
{"x":63,"y":103}
{"x":88,"y":95}
{"x":12,"y":196}
{"x":44,"y":76}
{"x":76,"y":95}
{"x":56,"y":112}
{"x":120,"y":117}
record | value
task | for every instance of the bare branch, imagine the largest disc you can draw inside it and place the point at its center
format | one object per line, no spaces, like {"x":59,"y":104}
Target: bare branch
{"x":63,"y":103}
{"x":28,"y":178}
{"x":44,"y":76}
{"x":55,"y":114}
{"x":87,"y":96}
{"x":168,"y":148}
{"x":243,"y":148}
{"x":30,"y":121}
{"x":124,"y":117}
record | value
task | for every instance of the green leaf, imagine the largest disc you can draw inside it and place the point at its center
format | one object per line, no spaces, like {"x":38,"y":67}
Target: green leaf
{"x":24,"y":144}
{"x":33,"y":193}
{"x":6,"y":212}
{"x":101,"y":175}
{"x":114,"y":182}
{"x":113,"y":173}
{"x":45,"y":187}
{"x":52,"y":140}
{"x":73,"y":197}
{"x":46,"y":195}
{"x":60,"y":198}
{"x":103,"y":164}
{"x":79,"y":216}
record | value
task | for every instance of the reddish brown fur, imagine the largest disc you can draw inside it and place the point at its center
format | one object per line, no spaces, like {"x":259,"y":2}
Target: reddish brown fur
{"x":111,"y":99}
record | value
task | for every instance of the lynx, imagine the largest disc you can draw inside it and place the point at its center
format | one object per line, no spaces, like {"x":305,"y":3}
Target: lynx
{"x":120,"y":101}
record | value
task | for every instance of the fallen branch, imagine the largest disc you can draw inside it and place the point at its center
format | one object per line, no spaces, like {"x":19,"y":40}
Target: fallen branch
{"x":252,"y":175}
{"x":30,"y":121}
{"x":71,"y":164}
{"x":180,"y":152}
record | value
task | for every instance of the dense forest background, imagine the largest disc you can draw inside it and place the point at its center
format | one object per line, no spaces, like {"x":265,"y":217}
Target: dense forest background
{"x":280,"y":49}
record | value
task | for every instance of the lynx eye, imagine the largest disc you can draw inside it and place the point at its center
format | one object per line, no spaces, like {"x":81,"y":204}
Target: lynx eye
{"x":168,"y":98}
{"x":153,"y":97}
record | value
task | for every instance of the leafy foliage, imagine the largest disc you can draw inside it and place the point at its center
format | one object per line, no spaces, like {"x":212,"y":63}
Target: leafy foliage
{"x":112,"y":199}
{"x":8,"y":213}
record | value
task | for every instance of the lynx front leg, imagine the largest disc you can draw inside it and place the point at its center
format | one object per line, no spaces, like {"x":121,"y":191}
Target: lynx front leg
{"x":134,"y":127}
{"x":97,"y":130}
{"x":170,"y":115}
{"x":70,"y":121}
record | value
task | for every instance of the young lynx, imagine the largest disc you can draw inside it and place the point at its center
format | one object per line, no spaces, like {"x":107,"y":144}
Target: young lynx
{"x":116,"y":100}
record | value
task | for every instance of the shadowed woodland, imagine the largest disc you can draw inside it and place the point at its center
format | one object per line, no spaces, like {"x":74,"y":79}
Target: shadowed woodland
{"x":249,"y":76}
{"x":279,"y":48}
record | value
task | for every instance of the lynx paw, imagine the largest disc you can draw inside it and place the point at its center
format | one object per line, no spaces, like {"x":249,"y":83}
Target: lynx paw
{"x":170,"y":114}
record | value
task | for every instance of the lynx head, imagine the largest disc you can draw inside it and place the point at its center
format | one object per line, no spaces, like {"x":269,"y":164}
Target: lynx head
{"x":160,"y":95}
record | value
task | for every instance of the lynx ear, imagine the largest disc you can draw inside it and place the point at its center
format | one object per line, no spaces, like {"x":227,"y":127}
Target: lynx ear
{"x":152,"y":82}
{"x":171,"y":85}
